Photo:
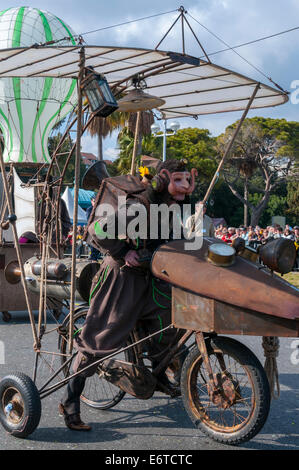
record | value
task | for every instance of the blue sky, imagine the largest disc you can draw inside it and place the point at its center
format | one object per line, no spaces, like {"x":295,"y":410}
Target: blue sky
{"x":234,"y":21}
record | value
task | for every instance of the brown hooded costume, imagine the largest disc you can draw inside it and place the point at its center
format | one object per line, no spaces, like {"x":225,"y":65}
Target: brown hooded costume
{"x":122,"y":295}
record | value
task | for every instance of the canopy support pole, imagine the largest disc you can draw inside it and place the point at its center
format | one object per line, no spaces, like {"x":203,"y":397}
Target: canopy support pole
{"x":183,"y":19}
{"x":76,"y":197}
{"x":133,"y":170}
{"x":230,"y":145}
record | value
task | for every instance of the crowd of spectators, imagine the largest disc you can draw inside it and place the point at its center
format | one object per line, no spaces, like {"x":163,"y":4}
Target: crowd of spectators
{"x":255,"y":236}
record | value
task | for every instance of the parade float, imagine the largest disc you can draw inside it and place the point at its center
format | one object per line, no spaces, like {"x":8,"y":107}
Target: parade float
{"x":216,"y":291}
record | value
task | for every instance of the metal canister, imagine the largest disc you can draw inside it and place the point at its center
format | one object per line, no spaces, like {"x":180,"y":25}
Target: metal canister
{"x":55,"y":269}
{"x":221,"y":254}
{"x":60,"y":288}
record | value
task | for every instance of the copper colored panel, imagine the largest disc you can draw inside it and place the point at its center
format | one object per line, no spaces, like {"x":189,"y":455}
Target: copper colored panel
{"x":12,"y":295}
{"x":243,"y":284}
{"x":191,"y":311}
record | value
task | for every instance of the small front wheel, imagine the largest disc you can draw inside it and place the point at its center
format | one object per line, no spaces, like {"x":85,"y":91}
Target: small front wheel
{"x":20,"y":405}
{"x":235,"y":410}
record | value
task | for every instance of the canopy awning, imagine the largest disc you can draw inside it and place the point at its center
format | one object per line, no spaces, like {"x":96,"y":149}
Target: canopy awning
{"x":84,"y":197}
{"x":189,"y":86}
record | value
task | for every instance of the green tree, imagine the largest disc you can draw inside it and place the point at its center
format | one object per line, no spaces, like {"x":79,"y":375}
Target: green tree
{"x":195,"y":145}
{"x":262,"y":157}
{"x":62,"y":157}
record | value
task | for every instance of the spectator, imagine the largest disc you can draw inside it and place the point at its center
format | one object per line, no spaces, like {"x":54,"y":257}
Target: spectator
{"x":237,"y":234}
{"x":296,"y":241}
{"x":265,"y":235}
{"x":278,"y":232}
{"x":230,"y":232}
{"x":80,"y":245}
{"x":195,"y":225}
{"x":218,"y":231}
{"x":225,"y":237}
{"x":288,"y":234}
{"x":252,"y":238}
{"x":244,"y":233}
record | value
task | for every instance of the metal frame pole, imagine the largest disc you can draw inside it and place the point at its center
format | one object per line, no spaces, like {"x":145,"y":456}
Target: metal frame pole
{"x":231,"y":143}
{"x":164,"y":140}
{"x":45,"y":392}
{"x":136,"y":137}
{"x":76,"y":194}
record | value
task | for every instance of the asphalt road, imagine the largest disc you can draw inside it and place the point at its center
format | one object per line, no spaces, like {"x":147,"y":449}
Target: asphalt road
{"x":159,"y":423}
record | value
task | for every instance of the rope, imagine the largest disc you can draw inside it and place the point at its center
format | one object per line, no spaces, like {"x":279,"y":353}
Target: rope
{"x":237,"y":53}
{"x":271,"y":352}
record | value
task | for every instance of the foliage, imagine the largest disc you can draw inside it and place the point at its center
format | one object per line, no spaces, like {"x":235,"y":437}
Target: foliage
{"x":222,"y":203}
{"x":61,"y":159}
{"x":197,"y":147}
{"x":263,"y":156}
{"x":270,"y":144}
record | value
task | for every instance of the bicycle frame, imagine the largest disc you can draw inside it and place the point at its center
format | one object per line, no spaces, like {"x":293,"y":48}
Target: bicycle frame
{"x":44,"y":391}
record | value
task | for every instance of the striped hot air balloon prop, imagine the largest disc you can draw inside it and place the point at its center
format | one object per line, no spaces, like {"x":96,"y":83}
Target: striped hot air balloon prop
{"x":30,"y":107}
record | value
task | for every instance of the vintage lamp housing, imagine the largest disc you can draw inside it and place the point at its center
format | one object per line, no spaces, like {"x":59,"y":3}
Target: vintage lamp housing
{"x":279,"y":255}
{"x":98,"y":93}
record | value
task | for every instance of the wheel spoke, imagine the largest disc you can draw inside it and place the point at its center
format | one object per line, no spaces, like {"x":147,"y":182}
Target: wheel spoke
{"x":224,"y":365}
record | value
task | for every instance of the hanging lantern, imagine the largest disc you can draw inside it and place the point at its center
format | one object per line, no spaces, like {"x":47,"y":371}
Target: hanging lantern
{"x":98,"y":93}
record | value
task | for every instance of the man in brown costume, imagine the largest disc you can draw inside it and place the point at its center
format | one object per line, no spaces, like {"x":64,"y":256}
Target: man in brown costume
{"x":125,"y":291}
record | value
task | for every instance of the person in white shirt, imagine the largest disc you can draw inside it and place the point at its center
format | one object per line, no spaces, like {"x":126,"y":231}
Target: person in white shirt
{"x":244,"y":233}
{"x":196,"y":227}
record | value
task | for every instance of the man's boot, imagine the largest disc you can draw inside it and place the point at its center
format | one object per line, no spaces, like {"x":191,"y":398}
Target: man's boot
{"x":73,"y":421}
{"x":164,"y":385}
{"x":174,"y":369}
{"x":69,"y":408}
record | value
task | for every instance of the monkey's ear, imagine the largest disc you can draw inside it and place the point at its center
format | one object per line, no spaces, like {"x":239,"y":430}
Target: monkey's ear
{"x":158,"y":183}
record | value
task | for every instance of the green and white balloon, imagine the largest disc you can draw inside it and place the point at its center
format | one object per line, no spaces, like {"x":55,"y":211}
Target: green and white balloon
{"x":30,"y":107}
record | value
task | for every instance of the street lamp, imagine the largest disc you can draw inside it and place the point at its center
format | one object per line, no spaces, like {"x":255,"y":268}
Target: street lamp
{"x":172,"y":129}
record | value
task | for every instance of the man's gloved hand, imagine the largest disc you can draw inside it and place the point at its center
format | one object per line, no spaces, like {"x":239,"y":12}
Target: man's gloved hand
{"x":132,"y":259}
{"x":140,"y":258}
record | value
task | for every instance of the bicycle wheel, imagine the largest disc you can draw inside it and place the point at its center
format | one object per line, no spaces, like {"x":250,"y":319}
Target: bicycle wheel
{"x":239,"y":408}
{"x":98,"y":393}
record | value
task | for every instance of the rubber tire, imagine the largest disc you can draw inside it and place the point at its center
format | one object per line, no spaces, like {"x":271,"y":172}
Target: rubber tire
{"x":31,"y":400}
{"x":259,"y":380}
{"x":91,"y":403}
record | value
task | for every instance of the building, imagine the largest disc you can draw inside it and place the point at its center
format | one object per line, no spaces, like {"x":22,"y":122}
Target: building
{"x":89,"y":159}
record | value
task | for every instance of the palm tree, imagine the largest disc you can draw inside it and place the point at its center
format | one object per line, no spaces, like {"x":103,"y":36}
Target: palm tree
{"x":102,"y":127}
{"x":126,"y":138}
